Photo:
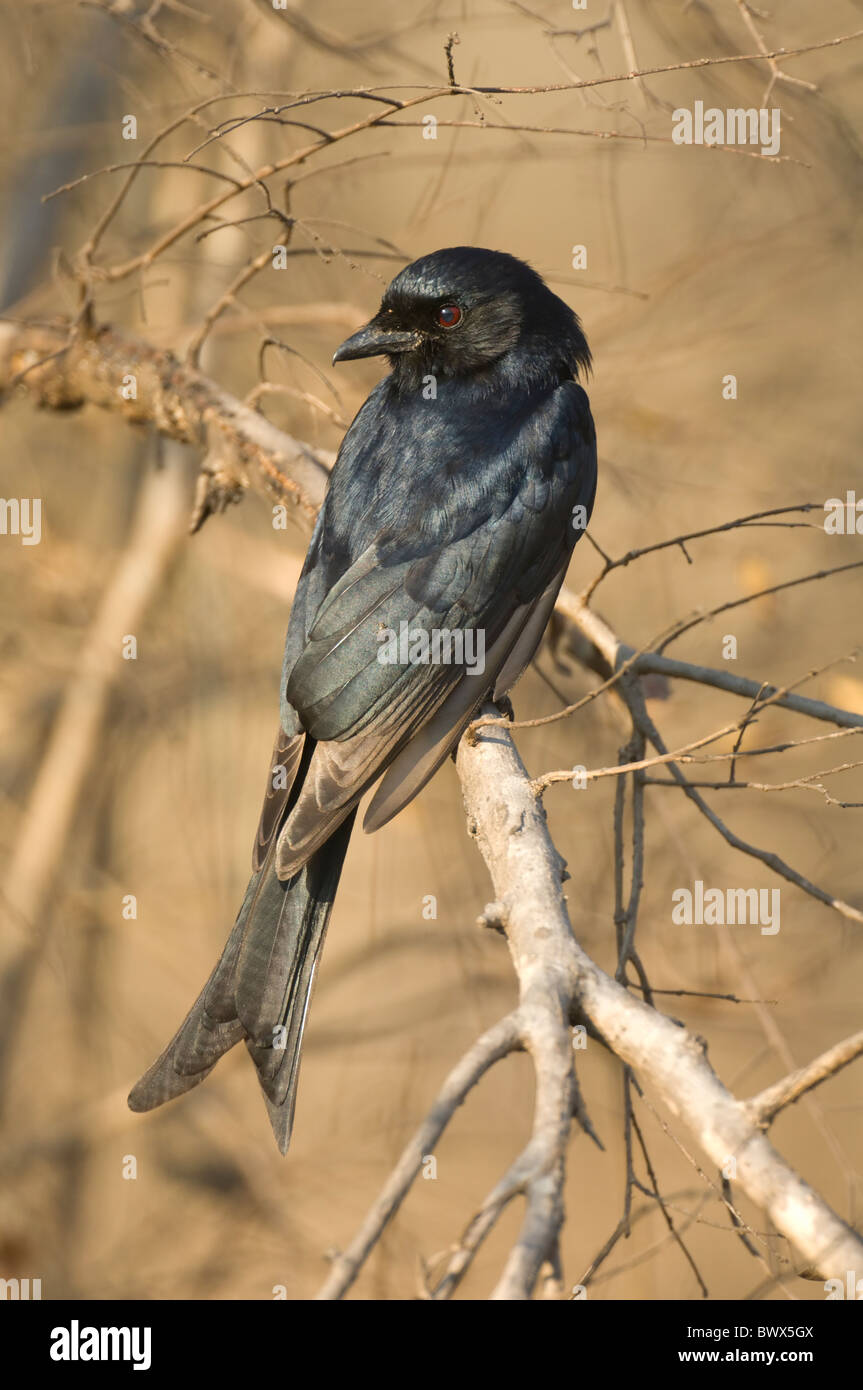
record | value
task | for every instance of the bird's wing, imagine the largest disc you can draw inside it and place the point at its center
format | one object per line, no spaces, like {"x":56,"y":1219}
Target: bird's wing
{"x":411,"y":768}
{"x":292,"y":748}
{"x":498,"y":577}
{"x":284,"y":765}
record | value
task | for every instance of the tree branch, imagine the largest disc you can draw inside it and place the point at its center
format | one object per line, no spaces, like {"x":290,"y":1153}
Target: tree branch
{"x":64,"y":370}
{"x":525,"y":870}
{"x":767,"y":1104}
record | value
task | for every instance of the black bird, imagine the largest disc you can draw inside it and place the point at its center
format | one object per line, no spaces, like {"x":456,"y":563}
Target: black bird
{"x":457,"y":496}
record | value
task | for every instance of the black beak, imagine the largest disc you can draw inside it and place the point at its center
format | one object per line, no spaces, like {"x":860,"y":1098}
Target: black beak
{"x":373,"y":341}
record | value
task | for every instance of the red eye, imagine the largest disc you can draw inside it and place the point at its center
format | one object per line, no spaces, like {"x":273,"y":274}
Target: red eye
{"x":448,"y":315}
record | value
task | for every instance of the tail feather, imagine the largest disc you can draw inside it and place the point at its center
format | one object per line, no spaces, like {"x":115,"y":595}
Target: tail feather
{"x":260,"y":988}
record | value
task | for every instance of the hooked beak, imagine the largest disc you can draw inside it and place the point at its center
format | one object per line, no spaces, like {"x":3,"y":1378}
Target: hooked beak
{"x":373,"y":341}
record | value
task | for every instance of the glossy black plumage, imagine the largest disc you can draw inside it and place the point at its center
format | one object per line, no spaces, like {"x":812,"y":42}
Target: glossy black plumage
{"x":457,"y":496}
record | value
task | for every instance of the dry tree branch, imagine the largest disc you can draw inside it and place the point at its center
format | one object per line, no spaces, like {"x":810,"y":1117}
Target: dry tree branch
{"x":747,"y":14}
{"x":639,"y":138}
{"x":388,"y":104}
{"x":307,"y":98}
{"x":496,"y":1043}
{"x":760,"y":593}
{"x":754,"y":519}
{"x":242,"y":448}
{"x":684,"y":755}
{"x":615,"y":653}
{"x":810,"y":783}
{"x":768,"y":1103}
{"x":773,"y":861}
{"x":525,"y":871}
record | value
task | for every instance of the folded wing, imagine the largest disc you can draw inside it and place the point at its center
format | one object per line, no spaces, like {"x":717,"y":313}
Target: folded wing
{"x":491,"y":588}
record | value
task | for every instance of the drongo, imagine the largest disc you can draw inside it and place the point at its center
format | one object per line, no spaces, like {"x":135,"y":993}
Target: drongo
{"x":457,"y":496}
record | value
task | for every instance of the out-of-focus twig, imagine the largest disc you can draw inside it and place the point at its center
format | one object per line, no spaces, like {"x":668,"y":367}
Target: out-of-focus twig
{"x":42,"y":843}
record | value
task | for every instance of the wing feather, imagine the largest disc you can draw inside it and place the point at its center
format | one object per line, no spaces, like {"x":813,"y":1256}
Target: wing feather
{"x":497,"y":572}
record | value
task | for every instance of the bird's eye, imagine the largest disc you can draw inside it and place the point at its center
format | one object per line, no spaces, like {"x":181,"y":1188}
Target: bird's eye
{"x":448,"y":315}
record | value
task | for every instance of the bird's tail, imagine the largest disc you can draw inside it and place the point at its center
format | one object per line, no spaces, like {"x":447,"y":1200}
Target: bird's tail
{"x":259,"y":991}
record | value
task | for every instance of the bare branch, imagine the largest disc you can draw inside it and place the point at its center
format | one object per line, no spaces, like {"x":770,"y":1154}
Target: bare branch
{"x":524,"y":867}
{"x":243,"y":449}
{"x":767,"y":1104}
{"x":490,"y":1048}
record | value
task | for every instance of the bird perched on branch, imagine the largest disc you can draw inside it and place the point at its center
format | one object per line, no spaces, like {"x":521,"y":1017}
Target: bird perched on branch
{"x":457,"y":496}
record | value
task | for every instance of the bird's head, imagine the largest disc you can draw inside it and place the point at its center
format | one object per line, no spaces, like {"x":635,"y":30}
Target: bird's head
{"x":464,"y":311}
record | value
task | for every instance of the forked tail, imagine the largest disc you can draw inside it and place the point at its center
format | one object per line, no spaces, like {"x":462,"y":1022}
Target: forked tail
{"x":259,"y":991}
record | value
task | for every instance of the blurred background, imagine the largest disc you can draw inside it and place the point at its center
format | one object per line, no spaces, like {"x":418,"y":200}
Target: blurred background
{"x":700,"y":263}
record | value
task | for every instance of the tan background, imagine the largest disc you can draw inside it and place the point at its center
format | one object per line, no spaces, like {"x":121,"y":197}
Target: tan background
{"x":731,"y":264}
